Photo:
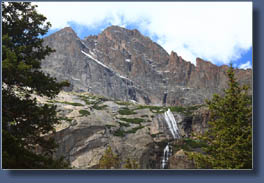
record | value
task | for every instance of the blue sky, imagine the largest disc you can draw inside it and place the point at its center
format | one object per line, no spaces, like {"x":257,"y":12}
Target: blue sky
{"x":220,"y":32}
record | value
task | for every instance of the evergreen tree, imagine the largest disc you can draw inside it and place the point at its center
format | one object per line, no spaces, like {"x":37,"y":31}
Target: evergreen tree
{"x":109,"y":160}
{"x":131,"y":164}
{"x":24,"y":121}
{"x":229,"y":136}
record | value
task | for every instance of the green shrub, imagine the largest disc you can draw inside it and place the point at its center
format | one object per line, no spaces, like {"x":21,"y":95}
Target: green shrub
{"x":84,"y":112}
{"x":99,"y":107}
{"x":86,"y":99}
{"x":177,"y":109}
{"x":66,"y":119}
{"x":69,"y":103}
{"x":109,"y":160}
{"x":132,"y":120}
{"x":124,"y":124}
{"x":154,"y":109}
{"x":126,"y":111}
{"x":134,"y":130}
{"x":119,"y":133}
{"x":122,"y":103}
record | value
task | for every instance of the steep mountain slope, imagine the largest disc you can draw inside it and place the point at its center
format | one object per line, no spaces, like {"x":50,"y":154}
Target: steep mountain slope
{"x":123,"y":64}
{"x":90,"y":123}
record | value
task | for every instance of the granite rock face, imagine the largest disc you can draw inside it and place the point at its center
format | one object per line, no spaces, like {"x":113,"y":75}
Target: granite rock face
{"x":90,"y":123}
{"x":123,"y":64}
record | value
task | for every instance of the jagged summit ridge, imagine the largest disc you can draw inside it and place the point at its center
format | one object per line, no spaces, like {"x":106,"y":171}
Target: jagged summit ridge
{"x":138,"y":68}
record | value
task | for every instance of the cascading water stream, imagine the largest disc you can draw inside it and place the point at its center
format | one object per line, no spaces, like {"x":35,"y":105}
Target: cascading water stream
{"x":173,"y":127}
{"x":167,"y":152}
{"x":172,"y":124}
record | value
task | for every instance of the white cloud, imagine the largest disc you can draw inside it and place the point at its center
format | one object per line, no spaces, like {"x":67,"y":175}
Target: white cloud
{"x":215,"y":31}
{"x":246,"y":65}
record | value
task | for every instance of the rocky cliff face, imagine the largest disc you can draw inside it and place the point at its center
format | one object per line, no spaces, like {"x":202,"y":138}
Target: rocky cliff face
{"x":90,"y":123}
{"x":123,"y":64}
{"x":113,"y":76}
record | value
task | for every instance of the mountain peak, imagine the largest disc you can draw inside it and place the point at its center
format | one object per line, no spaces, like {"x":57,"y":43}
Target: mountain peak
{"x":66,"y":30}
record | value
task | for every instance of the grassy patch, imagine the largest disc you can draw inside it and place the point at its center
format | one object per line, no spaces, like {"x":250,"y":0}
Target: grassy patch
{"x":134,"y":130}
{"x":188,"y":144}
{"x":122,"y":103}
{"x":124,"y":124}
{"x":154,"y":109}
{"x":177,"y":109}
{"x":87,"y":99}
{"x":162,"y":109}
{"x":97,"y":107}
{"x":69,"y":103}
{"x":126,"y":111}
{"x":65,"y":118}
{"x":122,"y":133}
{"x":119,"y":133}
{"x":188,"y":110}
{"x":84,"y":112}
{"x":132,"y":120}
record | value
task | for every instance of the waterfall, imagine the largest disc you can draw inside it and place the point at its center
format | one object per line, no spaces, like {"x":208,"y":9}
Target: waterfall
{"x":172,"y":124}
{"x":167,"y":152}
{"x":173,"y":127}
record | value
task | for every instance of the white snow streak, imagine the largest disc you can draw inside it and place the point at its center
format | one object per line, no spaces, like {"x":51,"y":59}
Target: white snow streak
{"x":97,"y":61}
{"x":100,"y":63}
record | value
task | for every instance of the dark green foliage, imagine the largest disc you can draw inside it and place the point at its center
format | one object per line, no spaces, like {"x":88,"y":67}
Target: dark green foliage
{"x":87,"y":99}
{"x":69,"y":103}
{"x":109,"y":160}
{"x":154,"y":109}
{"x":134,"y":130}
{"x":124,"y":124}
{"x":65,"y":119}
{"x":188,"y":144}
{"x":97,"y":107}
{"x":24,"y":121}
{"x":119,"y":133}
{"x":84,"y":112}
{"x":161,"y":109}
{"x":131,"y":164}
{"x":132,"y":120}
{"x":126,"y":111}
{"x":177,"y":109}
{"x":229,"y":136}
{"x":187,"y":110}
{"x":122,"y":133}
{"x":122,"y":103}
